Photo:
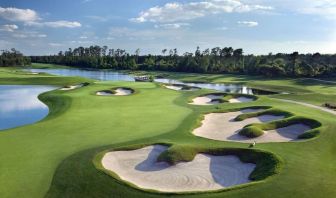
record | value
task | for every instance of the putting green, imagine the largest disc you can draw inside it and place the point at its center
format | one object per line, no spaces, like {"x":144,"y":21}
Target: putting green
{"x":54,"y":157}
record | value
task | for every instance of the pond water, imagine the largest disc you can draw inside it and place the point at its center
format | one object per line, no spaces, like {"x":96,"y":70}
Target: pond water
{"x":19,"y":105}
{"x":93,"y":74}
{"x":229,"y":88}
{"x":117,"y":76}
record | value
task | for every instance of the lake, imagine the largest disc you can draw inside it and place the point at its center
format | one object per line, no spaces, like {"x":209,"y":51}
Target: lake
{"x":19,"y":105}
{"x":118,"y":76}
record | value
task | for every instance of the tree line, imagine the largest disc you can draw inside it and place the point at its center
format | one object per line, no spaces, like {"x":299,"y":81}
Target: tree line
{"x":13,"y":57}
{"x":215,"y":60}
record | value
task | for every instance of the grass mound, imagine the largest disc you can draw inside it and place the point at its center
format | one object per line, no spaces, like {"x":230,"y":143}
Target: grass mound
{"x":251,"y":132}
{"x":313,"y":124}
{"x":267,"y":164}
{"x":176,"y":154}
{"x":275,"y":112}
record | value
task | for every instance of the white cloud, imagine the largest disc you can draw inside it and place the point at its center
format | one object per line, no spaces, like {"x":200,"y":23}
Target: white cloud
{"x":121,"y":33}
{"x":55,"y":44}
{"x":16,"y":14}
{"x":56,"y":24}
{"x":326,"y":8}
{"x":29,"y":35}
{"x":172,"y":12}
{"x":171,"y":25}
{"x":9,"y":27}
{"x":323,"y":8}
{"x":248,"y":23}
{"x":97,"y":18}
{"x":83,"y":37}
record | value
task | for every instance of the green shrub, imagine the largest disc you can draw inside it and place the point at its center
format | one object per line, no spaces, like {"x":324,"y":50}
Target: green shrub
{"x":309,"y":134}
{"x":176,"y":154}
{"x":251,"y":132}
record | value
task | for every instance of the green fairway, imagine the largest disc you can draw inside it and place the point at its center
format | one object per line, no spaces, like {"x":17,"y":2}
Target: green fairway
{"x":55,"y":157}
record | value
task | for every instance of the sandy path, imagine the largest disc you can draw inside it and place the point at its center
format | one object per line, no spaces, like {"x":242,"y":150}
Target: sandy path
{"x":205,"y":172}
{"x":221,"y":126}
{"x":206,"y":100}
{"x":308,"y":105}
{"x":320,"y":80}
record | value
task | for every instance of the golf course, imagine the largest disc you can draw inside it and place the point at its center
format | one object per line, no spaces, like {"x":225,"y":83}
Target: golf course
{"x":114,"y":138}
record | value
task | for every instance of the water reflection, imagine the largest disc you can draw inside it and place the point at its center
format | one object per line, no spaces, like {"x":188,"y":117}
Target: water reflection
{"x":229,"y":88}
{"x":117,"y":76}
{"x":19,"y":105}
{"x":93,"y":74}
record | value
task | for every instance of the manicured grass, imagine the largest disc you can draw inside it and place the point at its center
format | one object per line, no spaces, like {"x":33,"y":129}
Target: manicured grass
{"x":77,"y":176}
{"x":15,"y":76}
{"x":54,"y":157}
{"x":47,"y":66}
{"x":78,"y":121}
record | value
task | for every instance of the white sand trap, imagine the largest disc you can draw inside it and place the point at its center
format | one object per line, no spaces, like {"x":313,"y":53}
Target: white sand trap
{"x":173,"y":87}
{"x":206,"y":100}
{"x":72,"y":87}
{"x":103,"y":93}
{"x":180,"y":88}
{"x":286,"y":134}
{"x":118,"y":92}
{"x":205,"y":172}
{"x":221,"y":126}
{"x":123,"y":92}
{"x":240,"y":99}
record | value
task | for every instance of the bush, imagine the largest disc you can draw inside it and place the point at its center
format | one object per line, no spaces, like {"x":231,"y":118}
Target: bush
{"x":251,"y":132}
{"x":176,"y":154}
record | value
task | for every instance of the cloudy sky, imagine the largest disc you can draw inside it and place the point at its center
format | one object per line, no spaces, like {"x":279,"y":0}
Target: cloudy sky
{"x":258,"y":26}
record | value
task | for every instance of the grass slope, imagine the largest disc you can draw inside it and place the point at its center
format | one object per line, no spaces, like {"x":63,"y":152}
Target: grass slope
{"x":55,"y":156}
{"x":81,"y":120}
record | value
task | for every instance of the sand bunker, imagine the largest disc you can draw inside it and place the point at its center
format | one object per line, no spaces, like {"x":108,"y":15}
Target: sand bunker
{"x":115,"y":92}
{"x":206,"y":100}
{"x":222,"y":126}
{"x":72,"y":87}
{"x":240,"y":99}
{"x":181,"y":87}
{"x":205,"y":172}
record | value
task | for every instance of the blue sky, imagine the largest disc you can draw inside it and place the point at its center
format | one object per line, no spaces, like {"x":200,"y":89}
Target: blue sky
{"x":38,"y":27}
